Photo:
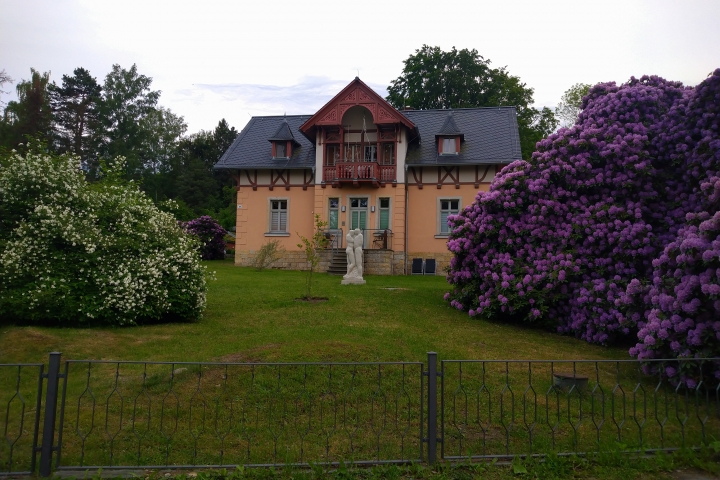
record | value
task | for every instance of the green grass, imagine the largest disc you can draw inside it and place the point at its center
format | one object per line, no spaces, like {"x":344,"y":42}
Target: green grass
{"x":219,"y":413}
{"x":254,"y":316}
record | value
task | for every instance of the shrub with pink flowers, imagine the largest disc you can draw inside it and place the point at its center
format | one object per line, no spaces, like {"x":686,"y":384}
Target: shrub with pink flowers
{"x":607,"y":219}
{"x":211,"y":235}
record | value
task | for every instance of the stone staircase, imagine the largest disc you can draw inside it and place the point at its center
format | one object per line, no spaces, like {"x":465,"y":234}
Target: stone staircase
{"x":338,"y":264}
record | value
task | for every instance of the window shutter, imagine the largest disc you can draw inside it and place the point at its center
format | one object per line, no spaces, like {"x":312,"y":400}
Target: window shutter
{"x":384,"y":219}
{"x":283,"y":222}
{"x":443,"y":222}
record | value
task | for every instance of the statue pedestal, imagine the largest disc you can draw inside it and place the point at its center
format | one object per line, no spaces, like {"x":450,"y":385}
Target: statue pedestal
{"x":353,"y":281}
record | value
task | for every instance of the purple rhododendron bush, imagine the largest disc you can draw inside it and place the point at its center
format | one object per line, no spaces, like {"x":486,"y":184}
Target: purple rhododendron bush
{"x":211,"y":235}
{"x":610,"y":231}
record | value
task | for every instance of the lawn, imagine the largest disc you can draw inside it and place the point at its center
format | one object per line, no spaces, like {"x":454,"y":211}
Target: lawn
{"x":233,"y":410}
{"x":254,"y":316}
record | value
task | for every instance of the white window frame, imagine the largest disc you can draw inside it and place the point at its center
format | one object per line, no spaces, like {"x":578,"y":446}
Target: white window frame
{"x":440,"y":233}
{"x":278,"y":233}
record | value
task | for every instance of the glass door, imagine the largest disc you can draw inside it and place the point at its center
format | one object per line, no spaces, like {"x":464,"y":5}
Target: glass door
{"x":358,"y":216}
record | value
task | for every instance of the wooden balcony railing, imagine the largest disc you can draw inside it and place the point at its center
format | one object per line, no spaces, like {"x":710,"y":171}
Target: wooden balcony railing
{"x":359,"y":172}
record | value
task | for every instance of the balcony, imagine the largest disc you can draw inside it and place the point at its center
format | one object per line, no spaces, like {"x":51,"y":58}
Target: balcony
{"x":356,"y":173}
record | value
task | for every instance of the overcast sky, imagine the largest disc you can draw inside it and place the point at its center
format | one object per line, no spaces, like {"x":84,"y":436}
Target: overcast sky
{"x":216,"y":59}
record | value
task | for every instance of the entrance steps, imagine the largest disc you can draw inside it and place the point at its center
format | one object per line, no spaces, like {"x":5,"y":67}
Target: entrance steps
{"x":338,"y":265}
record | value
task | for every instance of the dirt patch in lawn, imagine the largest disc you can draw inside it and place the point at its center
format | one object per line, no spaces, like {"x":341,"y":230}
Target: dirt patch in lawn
{"x":312,"y":299}
{"x":253,"y":355}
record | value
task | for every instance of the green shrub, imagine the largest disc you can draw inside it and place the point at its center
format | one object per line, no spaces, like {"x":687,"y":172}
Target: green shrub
{"x":269,"y":253}
{"x":74,"y":253}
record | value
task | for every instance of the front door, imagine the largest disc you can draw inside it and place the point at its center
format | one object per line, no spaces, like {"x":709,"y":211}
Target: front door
{"x":358,"y":215}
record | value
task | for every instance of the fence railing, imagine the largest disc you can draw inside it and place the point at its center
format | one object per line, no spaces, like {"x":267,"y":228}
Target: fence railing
{"x":117,"y":414}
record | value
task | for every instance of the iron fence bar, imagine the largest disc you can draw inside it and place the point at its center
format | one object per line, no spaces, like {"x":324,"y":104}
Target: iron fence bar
{"x":38,"y":406}
{"x":48,"y":435}
{"x":432,"y":407}
{"x":422,"y":412}
{"x":442,"y":408}
{"x":246,"y":364}
{"x":62,"y":415}
{"x":629,"y":360}
{"x":407,"y":461}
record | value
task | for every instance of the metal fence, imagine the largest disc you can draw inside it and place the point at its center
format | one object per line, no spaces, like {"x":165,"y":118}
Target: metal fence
{"x":113,"y":414}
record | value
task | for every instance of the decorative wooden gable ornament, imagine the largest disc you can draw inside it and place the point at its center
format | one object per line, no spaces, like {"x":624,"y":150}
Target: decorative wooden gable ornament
{"x":356,"y":93}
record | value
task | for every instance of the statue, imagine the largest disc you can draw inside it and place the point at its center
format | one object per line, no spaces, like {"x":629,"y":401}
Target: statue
{"x":359,"y":251}
{"x":354,"y":253}
{"x":350,"y":252}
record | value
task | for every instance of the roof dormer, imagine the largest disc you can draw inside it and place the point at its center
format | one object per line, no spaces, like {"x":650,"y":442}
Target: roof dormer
{"x":449,"y":137}
{"x":282,"y":141}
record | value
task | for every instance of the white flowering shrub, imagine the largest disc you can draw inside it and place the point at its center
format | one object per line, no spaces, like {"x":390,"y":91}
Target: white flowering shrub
{"x":74,"y":253}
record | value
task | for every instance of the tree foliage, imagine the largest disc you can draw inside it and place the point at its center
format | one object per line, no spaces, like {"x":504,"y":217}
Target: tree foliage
{"x":574,"y":238}
{"x":74,"y":253}
{"x":122,"y":117}
{"x":570,"y":104}
{"x":4,"y":78}
{"x":127,"y":101}
{"x":30,"y":115}
{"x":312,"y":247}
{"x":76,"y":107}
{"x":435,"y":79}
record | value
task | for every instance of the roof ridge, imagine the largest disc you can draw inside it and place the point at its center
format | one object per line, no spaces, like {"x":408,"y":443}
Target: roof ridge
{"x":457,"y":109}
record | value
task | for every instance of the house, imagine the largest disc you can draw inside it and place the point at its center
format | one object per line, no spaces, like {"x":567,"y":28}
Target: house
{"x":360,"y":163}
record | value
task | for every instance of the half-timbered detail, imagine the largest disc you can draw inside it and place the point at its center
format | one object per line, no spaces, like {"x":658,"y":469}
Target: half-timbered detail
{"x":335,"y":164}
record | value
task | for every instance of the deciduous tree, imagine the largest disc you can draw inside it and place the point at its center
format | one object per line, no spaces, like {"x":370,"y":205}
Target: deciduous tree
{"x":127,"y":101}
{"x":433,"y":78}
{"x":570,"y":104}
{"x":30,"y":115}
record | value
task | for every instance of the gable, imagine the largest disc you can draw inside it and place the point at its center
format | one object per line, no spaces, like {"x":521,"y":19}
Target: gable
{"x":357,"y":93}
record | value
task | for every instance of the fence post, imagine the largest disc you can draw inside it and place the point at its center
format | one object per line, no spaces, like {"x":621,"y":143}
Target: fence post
{"x":432,"y":407}
{"x":48,"y":432}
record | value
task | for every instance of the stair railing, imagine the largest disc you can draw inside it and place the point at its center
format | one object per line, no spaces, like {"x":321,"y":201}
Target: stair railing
{"x":335,"y":237}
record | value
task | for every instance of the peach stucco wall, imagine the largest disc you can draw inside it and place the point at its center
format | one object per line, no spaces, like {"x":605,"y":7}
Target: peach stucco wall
{"x":253,"y":216}
{"x":423,"y":214}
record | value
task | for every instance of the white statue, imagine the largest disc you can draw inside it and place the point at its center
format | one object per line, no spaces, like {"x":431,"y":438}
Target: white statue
{"x":354,"y":254}
{"x":350,"y":252}
{"x":359,"y":251}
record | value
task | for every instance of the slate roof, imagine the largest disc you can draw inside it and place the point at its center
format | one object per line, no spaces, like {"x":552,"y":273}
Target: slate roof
{"x":449,"y":127}
{"x":283,"y":133}
{"x":490,"y":136}
{"x":252,"y":150}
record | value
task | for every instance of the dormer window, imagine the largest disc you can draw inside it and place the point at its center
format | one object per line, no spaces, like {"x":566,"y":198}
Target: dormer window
{"x":449,"y":146}
{"x":281,"y":150}
{"x":282,"y":142}
{"x":449,"y":137}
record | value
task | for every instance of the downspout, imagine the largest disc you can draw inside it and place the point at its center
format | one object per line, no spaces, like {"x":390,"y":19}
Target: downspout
{"x":406,"y":221}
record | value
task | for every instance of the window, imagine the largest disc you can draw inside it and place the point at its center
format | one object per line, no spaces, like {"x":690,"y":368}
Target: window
{"x":384,"y":221}
{"x":278,"y":216}
{"x":333,"y":214}
{"x":388,"y":154}
{"x":359,"y":202}
{"x":352,"y":152}
{"x":448,"y":206}
{"x":370,"y":153}
{"x":281,"y":150}
{"x":332,"y":155}
{"x":449,"y":146}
